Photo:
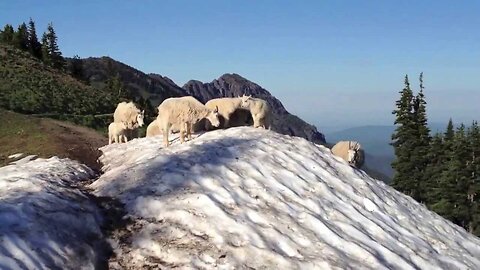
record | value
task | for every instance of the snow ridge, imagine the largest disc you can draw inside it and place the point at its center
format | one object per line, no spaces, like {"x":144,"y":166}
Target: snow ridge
{"x":251,"y":198}
{"x":45,"y":222}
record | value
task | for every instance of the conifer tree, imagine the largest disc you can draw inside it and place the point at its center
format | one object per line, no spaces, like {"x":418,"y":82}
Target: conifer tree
{"x":115,"y":86}
{"x":20,"y":39}
{"x":7,"y":35}
{"x":473,"y":192}
{"x":433,"y":172}
{"x":76,"y":68}
{"x":45,"y":52}
{"x":49,"y":44}
{"x":450,"y":132}
{"x":421,"y":142}
{"x":150,"y":110}
{"x":459,"y":164}
{"x":402,"y":141}
{"x":34,"y":46}
{"x":440,"y":201}
{"x":454,"y":183}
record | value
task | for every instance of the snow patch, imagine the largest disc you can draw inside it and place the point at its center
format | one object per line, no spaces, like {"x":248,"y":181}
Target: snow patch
{"x":251,"y":198}
{"x":45,"y":222}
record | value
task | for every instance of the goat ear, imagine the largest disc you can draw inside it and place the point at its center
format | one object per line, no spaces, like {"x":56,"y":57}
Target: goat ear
{"x":216,"y":109}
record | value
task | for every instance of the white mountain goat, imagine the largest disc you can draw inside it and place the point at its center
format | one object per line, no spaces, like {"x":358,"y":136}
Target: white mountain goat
{"x":183,"y":112}
{"x":226,"y":108}
{"x":351,"y":152}
{"x":117,"y":132}
{"x":259,"y":109}
{"x":130,"y":115}
{"x":153,"y":129}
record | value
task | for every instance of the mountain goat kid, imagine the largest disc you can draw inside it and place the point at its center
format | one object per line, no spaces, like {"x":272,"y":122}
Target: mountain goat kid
{"x":117,"y":132}
{"x":130,"y":116}
{"x":259,"y":109}
{"x":351,"y":152}
{"x":183,"y":112}
{"x":226,"y":107}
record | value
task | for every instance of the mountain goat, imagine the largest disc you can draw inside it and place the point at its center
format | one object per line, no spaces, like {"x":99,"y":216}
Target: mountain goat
{"x":130,"y":115}
{"x":153,"y":129}
{"x":351,"y":152}
{"x":226,"y":108}
{"x":259,"y":109}
{"x":183,"y":112}
{"x":117,"y":132}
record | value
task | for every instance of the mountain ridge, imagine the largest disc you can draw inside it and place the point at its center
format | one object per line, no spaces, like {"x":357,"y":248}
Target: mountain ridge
{"x":233,"y":85}
{"x":156,"y":88}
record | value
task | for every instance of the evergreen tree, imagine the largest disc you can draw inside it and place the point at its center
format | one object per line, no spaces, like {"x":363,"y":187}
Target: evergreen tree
{"x":76,"y":68}
{"x":421,"y":143}
{"x":115,"y":86}
{"x":150,"y":110}
{"x":450,"y":132}
{"x":49,"y":44}
{"x":20,"y":39}
{"x":473,"y":167}
{"x":455,"y":180}
{"x":45,"y":52}
{"x":440,"y":200}
{"x":34,"y":46}
{"x":7,"y":35}
{"x":433,"y":172}
{"x":402,"y":141}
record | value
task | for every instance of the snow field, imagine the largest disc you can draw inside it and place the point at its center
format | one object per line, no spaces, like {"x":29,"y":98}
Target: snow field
{"x":251,"y":198}
{"x":45,"y":221}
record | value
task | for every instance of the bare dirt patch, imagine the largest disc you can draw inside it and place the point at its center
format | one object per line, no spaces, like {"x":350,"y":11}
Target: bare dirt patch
{"x":46,"y":137}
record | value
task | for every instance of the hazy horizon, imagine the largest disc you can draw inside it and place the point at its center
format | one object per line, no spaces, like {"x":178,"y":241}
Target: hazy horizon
{"x":331,"y":63}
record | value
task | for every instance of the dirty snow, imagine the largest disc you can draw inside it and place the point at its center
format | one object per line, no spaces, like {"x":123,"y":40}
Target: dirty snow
{"x":14,"y":156}
{"x":250,"y":198}
{"x":45,"y":221}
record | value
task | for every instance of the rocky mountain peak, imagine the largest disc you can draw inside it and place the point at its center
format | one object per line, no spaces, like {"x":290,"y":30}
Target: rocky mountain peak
{"x":233,"y":85}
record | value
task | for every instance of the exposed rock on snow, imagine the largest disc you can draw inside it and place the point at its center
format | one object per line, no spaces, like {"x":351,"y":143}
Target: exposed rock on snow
{"x":14,"y":156}
{"x":251,"y":198}
{"x":24,"y":160}
{"x":45,"y":221}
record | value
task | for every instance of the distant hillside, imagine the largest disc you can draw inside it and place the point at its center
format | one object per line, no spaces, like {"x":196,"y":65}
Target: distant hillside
{"x":154,"y":87}
{"x":233,"y":85}
{"x":29,"y":86}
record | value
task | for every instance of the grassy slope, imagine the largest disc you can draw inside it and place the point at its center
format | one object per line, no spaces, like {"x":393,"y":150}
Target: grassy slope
{"x":29,"y":86}
{"x":46,"y":137}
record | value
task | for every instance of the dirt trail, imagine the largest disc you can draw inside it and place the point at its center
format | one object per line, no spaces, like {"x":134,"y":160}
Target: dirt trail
{"x":75,"y":142}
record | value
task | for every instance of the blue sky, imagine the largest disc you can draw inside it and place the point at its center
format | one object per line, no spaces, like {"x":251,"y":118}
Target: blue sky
{"x":333,"y":63}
